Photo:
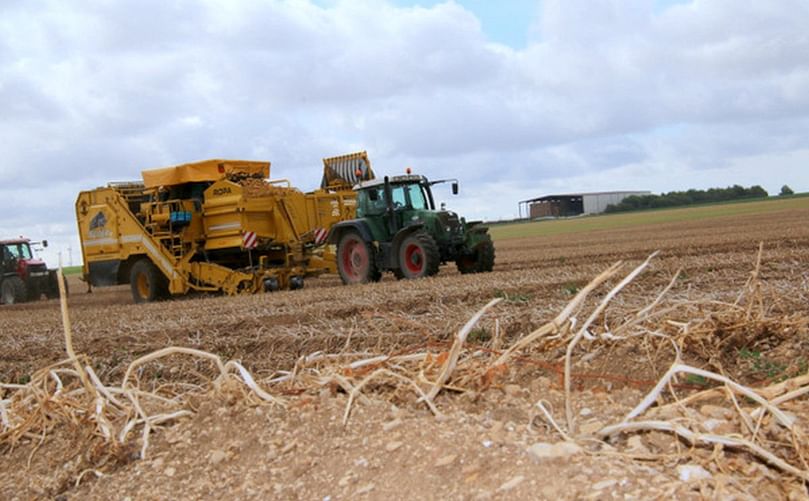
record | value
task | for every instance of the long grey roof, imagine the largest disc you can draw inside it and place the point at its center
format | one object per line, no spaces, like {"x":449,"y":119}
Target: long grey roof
{"x":584,"y":194}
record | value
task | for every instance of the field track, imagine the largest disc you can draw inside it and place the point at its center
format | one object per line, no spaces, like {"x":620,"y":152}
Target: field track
{"x":535,"y":276}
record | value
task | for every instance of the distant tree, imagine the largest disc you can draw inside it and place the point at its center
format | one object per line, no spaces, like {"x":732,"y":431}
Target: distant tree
{"x":786,"y":190}
{"x":680,"y":198}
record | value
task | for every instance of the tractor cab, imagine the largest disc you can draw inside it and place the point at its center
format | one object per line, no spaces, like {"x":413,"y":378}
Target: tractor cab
{"x":18,"y":258}
{"x":401,"y":201}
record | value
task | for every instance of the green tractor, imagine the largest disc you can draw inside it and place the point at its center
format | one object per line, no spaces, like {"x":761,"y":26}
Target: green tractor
{"x":398,"y":229}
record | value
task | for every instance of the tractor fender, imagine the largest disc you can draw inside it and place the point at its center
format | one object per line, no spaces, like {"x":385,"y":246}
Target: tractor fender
{"x":358,"y":225}
{"x":397,"y":242}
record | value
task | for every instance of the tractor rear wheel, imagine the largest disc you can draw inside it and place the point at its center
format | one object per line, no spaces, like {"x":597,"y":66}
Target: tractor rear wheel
{"x":418,"y":256}
{"x":480,"y":260}
{"x":355,"y":260}
{"x":147,"y":282}
{"x":14,"y":290}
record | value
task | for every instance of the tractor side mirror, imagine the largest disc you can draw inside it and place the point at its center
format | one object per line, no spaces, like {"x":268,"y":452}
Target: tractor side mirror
{"x":455,"y":188}
{"x":44,"y":243}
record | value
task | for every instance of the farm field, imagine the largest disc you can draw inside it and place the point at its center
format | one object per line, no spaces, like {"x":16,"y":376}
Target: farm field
{"x":351,"y":409}
{"x":657,"y":216}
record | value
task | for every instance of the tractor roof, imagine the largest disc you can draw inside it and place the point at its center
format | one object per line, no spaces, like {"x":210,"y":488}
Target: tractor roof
{"x":206,"y":170}
{"x":12,"y":241}
{"x":407,"y":179}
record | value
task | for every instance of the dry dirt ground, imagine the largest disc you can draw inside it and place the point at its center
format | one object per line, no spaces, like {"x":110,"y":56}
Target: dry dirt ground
{"x":490,"y":440}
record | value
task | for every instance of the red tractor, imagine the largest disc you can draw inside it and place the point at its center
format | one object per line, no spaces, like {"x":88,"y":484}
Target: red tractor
{"x":24,"y":277}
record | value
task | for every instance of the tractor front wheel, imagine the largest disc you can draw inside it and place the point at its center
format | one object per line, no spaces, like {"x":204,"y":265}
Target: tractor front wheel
{"x":147,"y":282}
{"x":480,"y":260}
{"x":418,"y":256}
{"x":355,"y":260}
{"x":14,"y":290}
{"x":52,"y":292}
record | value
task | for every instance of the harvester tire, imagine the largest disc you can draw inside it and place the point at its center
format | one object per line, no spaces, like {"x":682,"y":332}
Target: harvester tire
{"x":147,"y":282}
{"x":481,"y":260}
{"x":355,"y":260}
{"x":419,"y":256}
{"x":14,"y":290}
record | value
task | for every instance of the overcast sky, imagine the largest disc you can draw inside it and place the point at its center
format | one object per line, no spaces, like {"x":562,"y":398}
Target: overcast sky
{"x":516,"y":99}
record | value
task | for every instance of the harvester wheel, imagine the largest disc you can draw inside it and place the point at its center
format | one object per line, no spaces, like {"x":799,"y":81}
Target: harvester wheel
{"x":355,"y":260}
{"x":14,"y":290}
{"x":419,"y":256}
{"x":481,"y":260}
{"x":147,"y":282}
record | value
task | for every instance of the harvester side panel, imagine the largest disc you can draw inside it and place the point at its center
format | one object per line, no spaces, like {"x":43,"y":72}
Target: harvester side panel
{"x":110,"y":232}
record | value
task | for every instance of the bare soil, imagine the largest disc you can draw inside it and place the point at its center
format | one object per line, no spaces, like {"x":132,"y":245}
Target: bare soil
{"x":393,"y":446}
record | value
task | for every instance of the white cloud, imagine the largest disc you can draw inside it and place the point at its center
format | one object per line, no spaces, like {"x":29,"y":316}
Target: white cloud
{"x":608,"y":94}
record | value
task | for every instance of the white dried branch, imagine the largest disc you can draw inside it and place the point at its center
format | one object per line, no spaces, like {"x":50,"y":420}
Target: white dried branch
{"x":695,"y":438}
{"x":251,"y":383}
{"x":69,"y":333}
{"x":571,"y":425}
{"x":101,"y":388}
{"x":540,"y":405}
{"x":677,"y":367}
{"x":171,"y":351}
{"x":455,"y":351}
{"x":554,"y":325}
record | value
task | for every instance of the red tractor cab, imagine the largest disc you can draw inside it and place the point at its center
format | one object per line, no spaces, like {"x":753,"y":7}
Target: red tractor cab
{"x":24,"y":277}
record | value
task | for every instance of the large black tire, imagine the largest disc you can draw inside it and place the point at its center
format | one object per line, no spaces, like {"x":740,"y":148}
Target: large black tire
{"x":147,"y":282}
{"x":14,"y":290}
{"x":418,"y":256}
{"x":480,"y":260}
{"x":34,"y":293}
{"x":53,"y":286}
{"x":355,"y":260}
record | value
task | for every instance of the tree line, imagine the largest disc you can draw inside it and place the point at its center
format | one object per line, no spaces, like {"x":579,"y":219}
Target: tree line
{"x":679,"y":198}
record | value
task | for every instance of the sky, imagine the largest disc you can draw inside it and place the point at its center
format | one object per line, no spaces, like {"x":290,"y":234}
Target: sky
{"x":516,"y":99}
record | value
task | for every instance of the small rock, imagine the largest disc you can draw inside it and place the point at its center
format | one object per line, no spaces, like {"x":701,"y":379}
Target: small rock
{"x":591,"y":427}
{"x":604,"y":484}
{"x":513,"y":390}
{"x":514,"y":482}
{"x":715,"y":411}
{"x":541,"y":451}
{"x":585,"y":412}
{"x":446,"y":460}
{"x":712,"y":424}
{"x":392,"y":424}
{"x":170,"y":471}
{"x":635,"y":444}
{"x":365,"y":489}
{"x":217,"y":457}
{"x":691,"y":472}
{"x":487,"y":443}
{"x":392,"y":446}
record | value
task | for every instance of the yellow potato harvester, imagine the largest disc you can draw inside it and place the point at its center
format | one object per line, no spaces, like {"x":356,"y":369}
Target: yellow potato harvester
{"x":215,"y":225}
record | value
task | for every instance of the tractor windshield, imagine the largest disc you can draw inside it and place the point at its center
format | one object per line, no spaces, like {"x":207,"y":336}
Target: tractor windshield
{"x":409,"y":195}
{"x":19,"y":251}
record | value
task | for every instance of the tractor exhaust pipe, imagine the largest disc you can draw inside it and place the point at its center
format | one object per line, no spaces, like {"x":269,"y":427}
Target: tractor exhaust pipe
{"x":389,"y":203}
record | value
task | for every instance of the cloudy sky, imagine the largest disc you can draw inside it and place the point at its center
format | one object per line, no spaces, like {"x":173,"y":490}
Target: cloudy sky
{"x":515,"y":98}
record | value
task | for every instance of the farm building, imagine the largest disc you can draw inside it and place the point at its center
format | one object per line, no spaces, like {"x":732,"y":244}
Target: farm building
{"x":573,"y":204}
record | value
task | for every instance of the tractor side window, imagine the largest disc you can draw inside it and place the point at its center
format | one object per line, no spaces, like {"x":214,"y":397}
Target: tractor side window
{"x":417,"y":200}
{"x":370,"y":202}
